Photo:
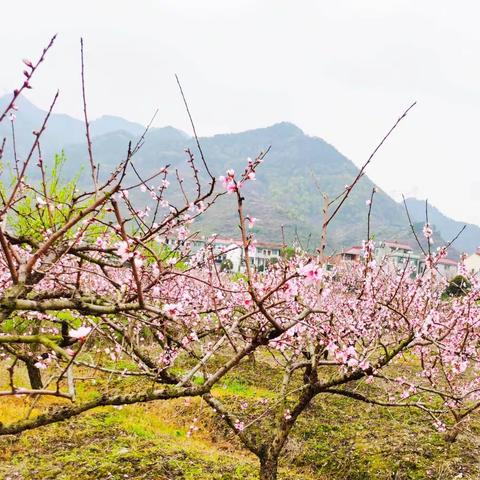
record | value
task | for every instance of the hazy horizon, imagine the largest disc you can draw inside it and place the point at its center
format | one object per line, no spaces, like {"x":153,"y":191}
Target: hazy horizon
{"x":338,"y":70}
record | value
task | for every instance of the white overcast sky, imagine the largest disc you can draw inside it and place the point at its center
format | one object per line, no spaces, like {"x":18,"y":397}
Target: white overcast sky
{"x":343,"y":70}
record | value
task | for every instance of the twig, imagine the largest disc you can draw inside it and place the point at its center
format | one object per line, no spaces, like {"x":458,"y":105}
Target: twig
{"x":93,"y":167}
{"x":362,"y":170}
{"x":193,"y":128}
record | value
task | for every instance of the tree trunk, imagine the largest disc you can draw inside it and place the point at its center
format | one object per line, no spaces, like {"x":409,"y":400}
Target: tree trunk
{"x":268,"y":468}
{"x":451,"y":436}
{"x":34,"y":375}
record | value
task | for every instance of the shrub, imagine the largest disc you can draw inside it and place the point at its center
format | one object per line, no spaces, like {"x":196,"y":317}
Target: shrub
{"x":458,"y":287}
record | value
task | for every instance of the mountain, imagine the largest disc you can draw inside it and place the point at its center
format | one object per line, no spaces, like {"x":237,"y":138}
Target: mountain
{"x":288,"y":188}
{"x":109,"y":123}
{"x":468,"y":241}
{"x":30,"y":118}
{"x":61,"y":129}
{"x":290,"y":182}
{"x":287,"y":191}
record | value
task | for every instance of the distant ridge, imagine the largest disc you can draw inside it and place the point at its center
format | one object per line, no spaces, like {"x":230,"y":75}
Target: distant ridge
{"x":109,"y":123}
{"x":287,"y":191}
{"x":468,"y":241}
{"x":64,"y":130}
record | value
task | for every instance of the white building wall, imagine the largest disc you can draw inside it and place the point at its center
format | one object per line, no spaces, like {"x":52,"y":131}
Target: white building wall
{"x":234,"y":254}
{"x":472,"y":263}
{"x":447,"y":271}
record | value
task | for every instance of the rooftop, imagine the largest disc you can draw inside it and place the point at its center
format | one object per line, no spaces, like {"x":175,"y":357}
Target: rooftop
{"x":395,"y":244}
{"x":447,"y":261}
{"x":258,"y":244}
{"x":355,"y":250}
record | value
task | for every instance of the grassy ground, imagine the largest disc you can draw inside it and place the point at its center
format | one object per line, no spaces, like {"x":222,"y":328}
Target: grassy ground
{"x":336,"y":439}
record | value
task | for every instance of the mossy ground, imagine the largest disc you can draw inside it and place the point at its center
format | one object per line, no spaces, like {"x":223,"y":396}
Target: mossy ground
{"x":336,"y":438}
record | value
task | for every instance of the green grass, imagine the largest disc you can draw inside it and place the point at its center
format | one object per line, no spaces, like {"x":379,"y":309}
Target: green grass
{"x":335,"y":439}
{"x":119,"y":444}
{"x":238,"y":386}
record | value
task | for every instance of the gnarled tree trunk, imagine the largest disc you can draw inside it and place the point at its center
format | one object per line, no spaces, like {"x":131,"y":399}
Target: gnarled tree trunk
{"x":268,"y":467}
